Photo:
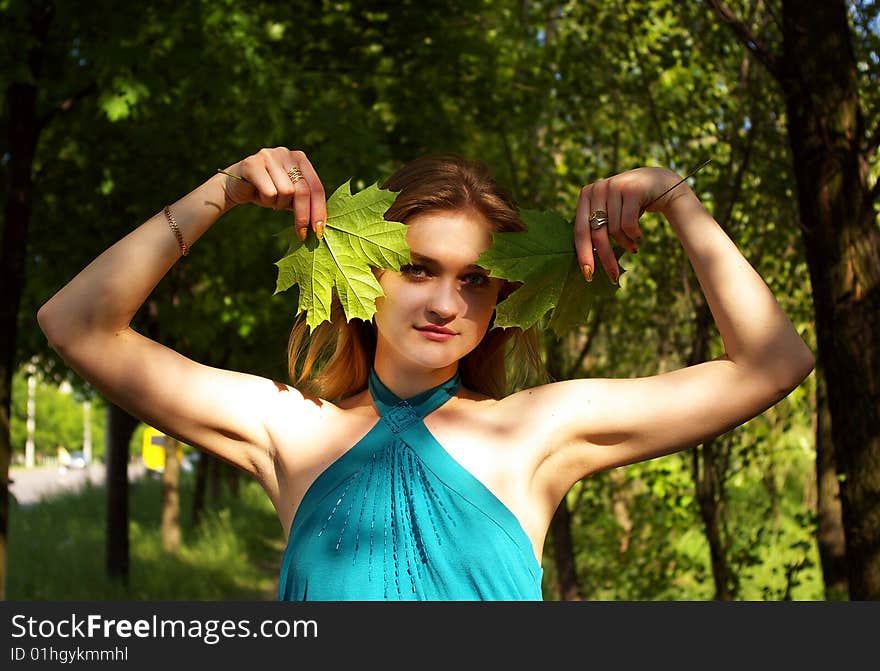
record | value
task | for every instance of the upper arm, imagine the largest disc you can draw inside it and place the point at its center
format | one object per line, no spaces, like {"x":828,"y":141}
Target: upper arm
{"x":226,"y":413}
{"x":595,"y":424}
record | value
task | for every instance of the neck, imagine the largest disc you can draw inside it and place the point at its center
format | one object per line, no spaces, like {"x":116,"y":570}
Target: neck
{"x":408,"y":381}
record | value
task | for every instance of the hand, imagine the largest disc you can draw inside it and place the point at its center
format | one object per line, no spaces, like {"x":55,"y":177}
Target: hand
{"x":263,"y":178}
{"x":623,"y":197}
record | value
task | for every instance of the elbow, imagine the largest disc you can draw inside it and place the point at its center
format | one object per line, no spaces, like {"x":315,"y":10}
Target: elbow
{"x":806,"y":362}
{"x":45,"y":321}
{"x":50,"y":325}
{"x":796,"y":369}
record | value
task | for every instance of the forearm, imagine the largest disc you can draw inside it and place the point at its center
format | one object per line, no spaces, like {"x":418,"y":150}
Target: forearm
{"x":754,"y":329}
{"x":105,"y":296}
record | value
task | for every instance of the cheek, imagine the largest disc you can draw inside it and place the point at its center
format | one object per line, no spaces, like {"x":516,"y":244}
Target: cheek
{"x":480,"y":306}
{"x":399,"y":295}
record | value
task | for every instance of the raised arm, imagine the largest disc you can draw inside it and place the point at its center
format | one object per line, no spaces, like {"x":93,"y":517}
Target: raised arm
{"x":88,"y":321}
{"x":595,"y":424}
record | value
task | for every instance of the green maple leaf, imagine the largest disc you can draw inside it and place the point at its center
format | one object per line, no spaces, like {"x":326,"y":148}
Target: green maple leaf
{"x":543,"y":258}
{"x":356,"y":240}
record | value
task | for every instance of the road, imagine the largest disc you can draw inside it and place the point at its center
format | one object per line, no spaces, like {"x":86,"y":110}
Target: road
{"x":30,"y":485}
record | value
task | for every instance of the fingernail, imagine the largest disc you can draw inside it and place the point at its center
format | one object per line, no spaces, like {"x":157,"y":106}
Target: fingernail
{"x":588,"y":273}
{"x":615,"y":277}
{"x":301,"y":233}
{"x":319,"y":229}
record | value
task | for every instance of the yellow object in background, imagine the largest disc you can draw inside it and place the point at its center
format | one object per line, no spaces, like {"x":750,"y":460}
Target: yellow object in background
{"x":153,"y":449}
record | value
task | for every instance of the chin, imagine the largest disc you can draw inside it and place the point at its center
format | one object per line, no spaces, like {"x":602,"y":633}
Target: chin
{"x":434,"y":356}
{"x":435,"y":360}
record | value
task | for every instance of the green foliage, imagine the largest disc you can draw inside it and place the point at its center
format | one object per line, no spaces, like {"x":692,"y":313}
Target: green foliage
{"x":543,"y":258}
{"x":356,"y":240}
{"x":58,"y":549}
{"x":172,"y":94}
{"x":59,"y":417}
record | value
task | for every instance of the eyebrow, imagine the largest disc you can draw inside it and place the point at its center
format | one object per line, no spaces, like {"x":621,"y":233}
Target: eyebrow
{"x":427,"y":260}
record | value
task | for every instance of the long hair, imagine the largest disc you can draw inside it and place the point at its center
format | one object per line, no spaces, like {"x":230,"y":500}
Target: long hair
{"x":334,"y":361}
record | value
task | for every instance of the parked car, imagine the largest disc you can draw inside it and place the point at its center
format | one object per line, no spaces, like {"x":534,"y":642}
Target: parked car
{"x":78,"y":460}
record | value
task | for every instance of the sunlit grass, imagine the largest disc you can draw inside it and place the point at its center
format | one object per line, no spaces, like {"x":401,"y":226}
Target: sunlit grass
{"x":57,"y":548}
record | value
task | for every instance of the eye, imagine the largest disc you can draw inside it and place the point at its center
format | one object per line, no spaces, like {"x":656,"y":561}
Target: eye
{"x":414,"y":271}
{"x":477,"y":279}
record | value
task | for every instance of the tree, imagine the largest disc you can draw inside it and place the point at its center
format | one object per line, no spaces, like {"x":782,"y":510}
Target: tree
{"x":834,"y":134}
{"x":168,"y":97}
{"x":154,"y":102}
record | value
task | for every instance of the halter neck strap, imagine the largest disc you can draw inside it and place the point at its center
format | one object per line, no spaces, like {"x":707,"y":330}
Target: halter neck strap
{"x":400,"y":414}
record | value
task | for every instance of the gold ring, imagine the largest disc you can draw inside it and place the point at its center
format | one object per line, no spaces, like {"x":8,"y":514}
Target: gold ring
{"x":295,"y":174}
{"x":598,"y":219}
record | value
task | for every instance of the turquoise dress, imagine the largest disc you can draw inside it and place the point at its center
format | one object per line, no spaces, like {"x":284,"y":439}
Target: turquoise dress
{"x":397,"y":518}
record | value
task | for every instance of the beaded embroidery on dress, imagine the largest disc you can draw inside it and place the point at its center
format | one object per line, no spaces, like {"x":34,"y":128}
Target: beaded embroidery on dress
{"x":397,"y":518}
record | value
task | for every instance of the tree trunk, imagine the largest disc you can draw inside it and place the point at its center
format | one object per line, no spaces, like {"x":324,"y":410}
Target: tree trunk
{"x":171,"y":497}
{"x":708,"y":497}
{"x":705,"y":471}
{"x":233,"y":480}
{"x":619,"y":508}
{"x":198,"y":502}
{"x":818,"y":76}
{"x":120,"y":427}
{"x":560,"y":525}
{"x":829,"y":531}
{"x":214,"y":480}
{"x":563,"y":554}
{"x":23,"y":128}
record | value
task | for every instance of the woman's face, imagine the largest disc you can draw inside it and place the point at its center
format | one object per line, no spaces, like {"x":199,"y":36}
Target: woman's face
{"x":437,"y":309}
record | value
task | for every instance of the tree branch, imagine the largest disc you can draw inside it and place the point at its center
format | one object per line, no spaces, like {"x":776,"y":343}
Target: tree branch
{"x":591,"y":337}
{"x":652,"y":106}
{"x":768,"y":59}
{"x":67,"y":104}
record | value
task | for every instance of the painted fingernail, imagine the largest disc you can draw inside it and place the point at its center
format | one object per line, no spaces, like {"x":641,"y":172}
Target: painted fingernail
{"x":319,"y":229}
{"x":588,"y":273}
{"x":301,"y":233}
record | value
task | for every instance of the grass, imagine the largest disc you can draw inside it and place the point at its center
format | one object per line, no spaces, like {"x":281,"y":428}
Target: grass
{"x":56,"y":548}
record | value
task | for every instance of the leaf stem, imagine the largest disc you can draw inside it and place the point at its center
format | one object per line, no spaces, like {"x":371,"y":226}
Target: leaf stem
{"x":687,"y":176}
{"x":243,"y":179}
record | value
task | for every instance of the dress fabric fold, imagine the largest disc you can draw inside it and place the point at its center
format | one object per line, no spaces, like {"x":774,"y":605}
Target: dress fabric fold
{"x":396,"y":517}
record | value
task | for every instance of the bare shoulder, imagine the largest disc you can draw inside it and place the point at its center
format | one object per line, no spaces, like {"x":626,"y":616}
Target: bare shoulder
{"x":491,"y":440}
{"x":590,"y":425}
{"x":292,"y":416}
{"x":304,"y":427}
{"x":308,"y":437}
{"x":543,"y":409}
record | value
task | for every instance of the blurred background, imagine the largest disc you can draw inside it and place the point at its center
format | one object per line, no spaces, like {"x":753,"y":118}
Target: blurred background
{"x":113,"y":109}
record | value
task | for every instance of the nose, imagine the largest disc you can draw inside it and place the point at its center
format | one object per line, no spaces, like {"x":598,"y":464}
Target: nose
{"x":445,"y":301}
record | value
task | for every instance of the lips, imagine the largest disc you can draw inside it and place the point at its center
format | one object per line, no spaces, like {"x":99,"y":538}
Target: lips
{"x":436,"y":333}
{"x":436,"y":329}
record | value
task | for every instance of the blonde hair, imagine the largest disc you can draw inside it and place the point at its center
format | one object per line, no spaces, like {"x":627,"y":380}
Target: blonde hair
{"x":334,"y":361}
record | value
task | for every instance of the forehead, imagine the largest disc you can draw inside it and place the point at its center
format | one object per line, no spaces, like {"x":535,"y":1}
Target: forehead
{"x":454,"y":237}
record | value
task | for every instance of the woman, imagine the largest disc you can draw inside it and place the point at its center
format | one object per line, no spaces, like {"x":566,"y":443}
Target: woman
{"x":399,"y":481}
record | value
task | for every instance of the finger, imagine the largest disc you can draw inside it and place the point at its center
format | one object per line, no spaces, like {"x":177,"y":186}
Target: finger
{"x":612,"y":208}
{"x":255,"y":172}
{"x":601,"y":240}
{"x":318,"y":200}
{"x":629,"y":221}
{"x":283,"y":184}
{"x":614,"y":202}
{"x":583,"y":242}
{"x":302,"y":208}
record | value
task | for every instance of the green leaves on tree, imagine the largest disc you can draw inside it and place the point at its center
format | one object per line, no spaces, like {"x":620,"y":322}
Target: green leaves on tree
{"x":544,"y":260}
{"x":356,"y":239}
